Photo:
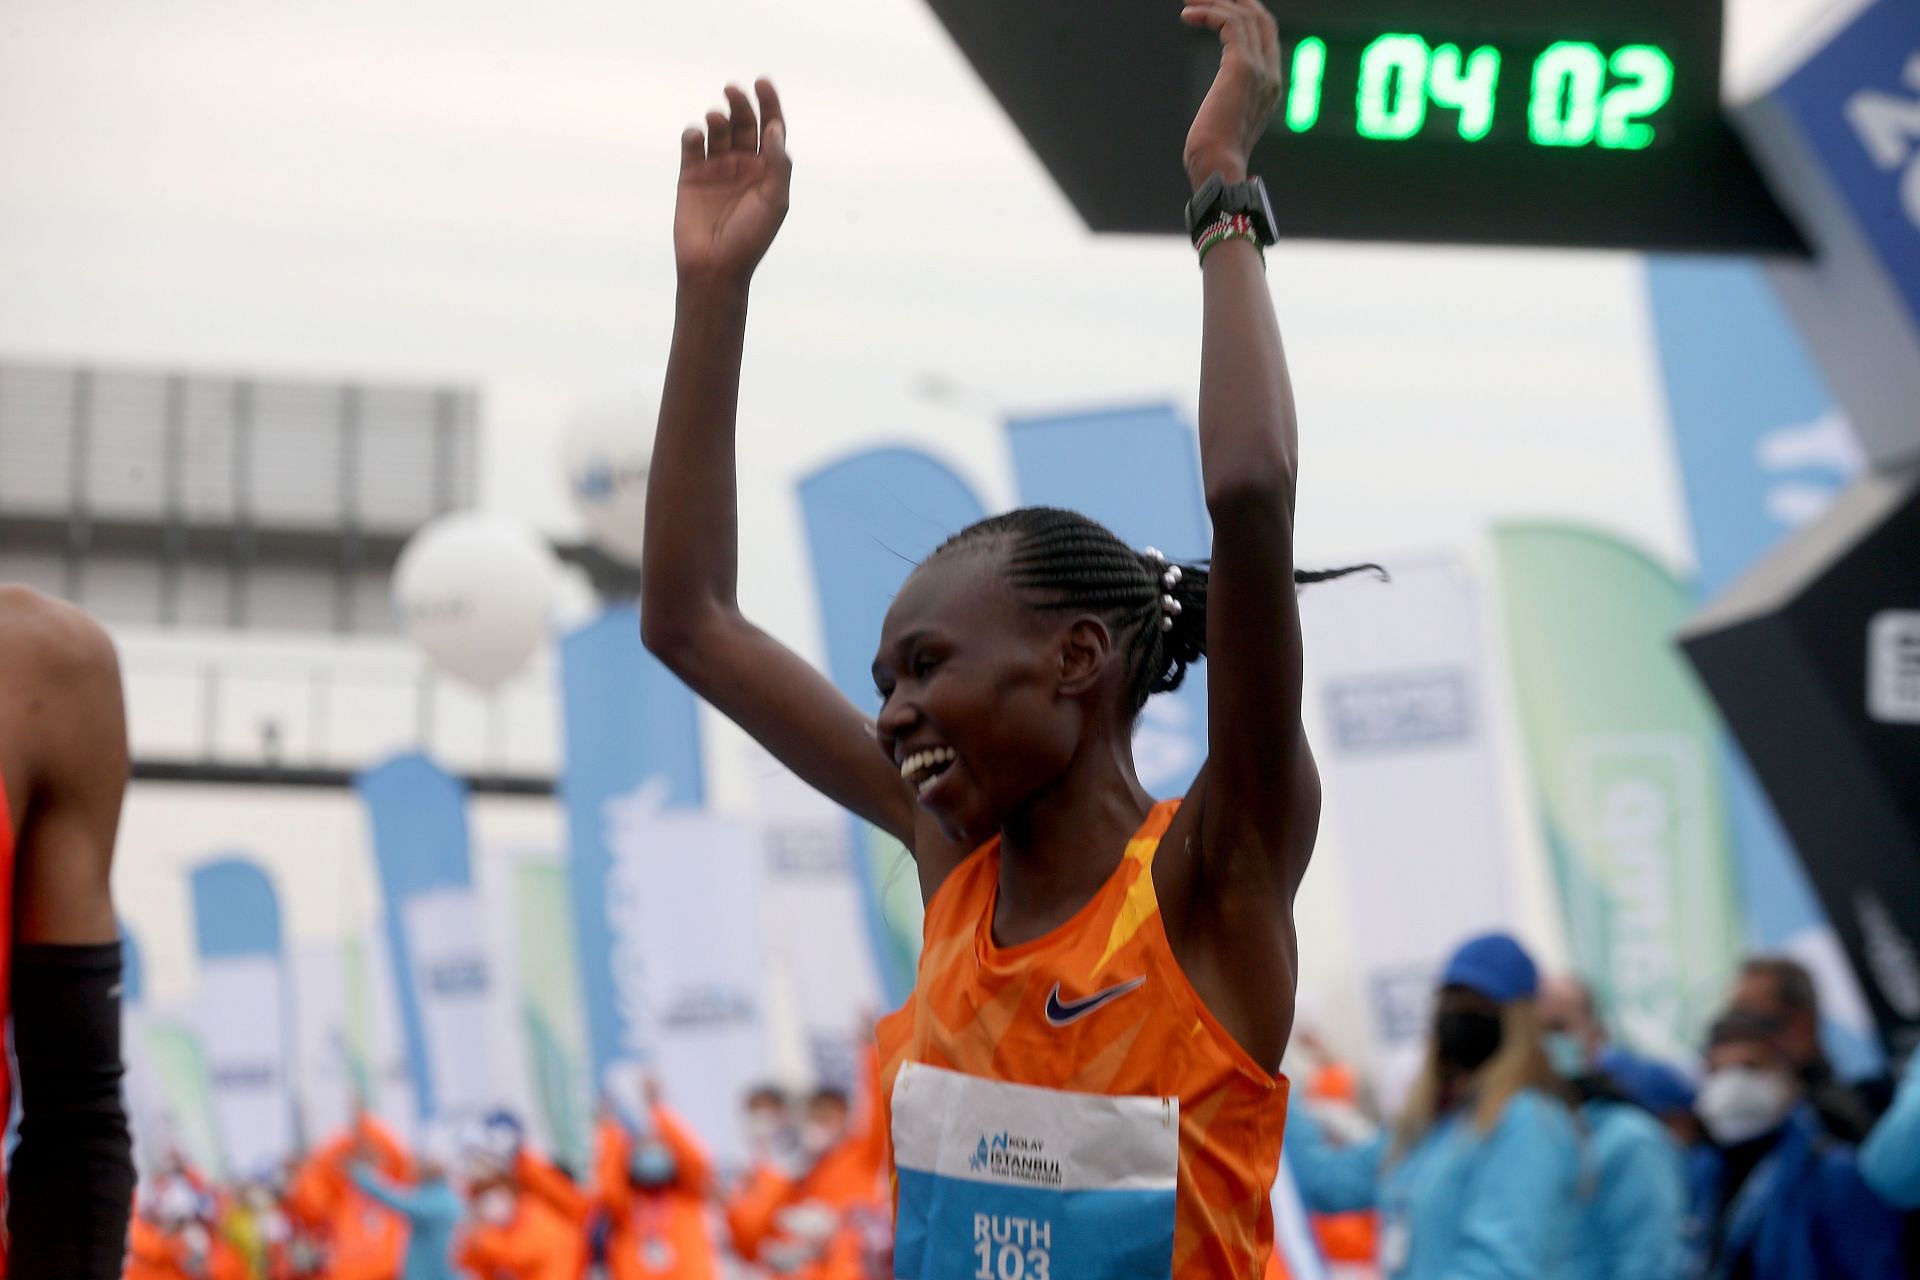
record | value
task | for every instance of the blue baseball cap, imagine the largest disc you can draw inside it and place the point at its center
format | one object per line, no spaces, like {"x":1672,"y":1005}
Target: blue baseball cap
{"x":1495,"y":966}
{"x":1653,"y":1086}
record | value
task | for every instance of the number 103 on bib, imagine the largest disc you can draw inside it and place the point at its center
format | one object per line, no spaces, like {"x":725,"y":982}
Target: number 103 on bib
{"x":1404,"y":86}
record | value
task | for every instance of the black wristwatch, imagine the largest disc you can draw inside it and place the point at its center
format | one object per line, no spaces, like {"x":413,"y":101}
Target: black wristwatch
{"x":1215,"y":199}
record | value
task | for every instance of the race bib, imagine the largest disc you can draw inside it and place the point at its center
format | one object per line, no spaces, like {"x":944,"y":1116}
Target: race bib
{"x":1009,"y":1182}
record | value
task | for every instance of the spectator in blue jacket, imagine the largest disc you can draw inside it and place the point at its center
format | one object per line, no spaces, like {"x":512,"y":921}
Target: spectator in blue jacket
{"x":432,"y":1210}
{"x":1890,"y":1160}
{"x":1477,"y":1181}
{"x":1772,"y":1196}
{"x":1632,"y":1187}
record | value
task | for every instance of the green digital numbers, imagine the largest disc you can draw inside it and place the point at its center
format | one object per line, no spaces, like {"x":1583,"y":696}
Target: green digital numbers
{"x":1647,"y":74}
{"x":1572,"y":105}
{"x":1467,"y":85}
{"x":1392,"y":102}
{"x":1400,"y":75}
{"x":1579,"y":96}
{"x":1567,"y":80}
{"x":1304,"y":86}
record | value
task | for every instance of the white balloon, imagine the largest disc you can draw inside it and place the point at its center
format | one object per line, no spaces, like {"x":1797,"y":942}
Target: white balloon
{"x":606,"y":452}
{"x":474,"y":591}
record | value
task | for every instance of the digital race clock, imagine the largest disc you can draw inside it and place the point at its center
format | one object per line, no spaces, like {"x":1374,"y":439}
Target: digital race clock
{"x":1587,"y":122}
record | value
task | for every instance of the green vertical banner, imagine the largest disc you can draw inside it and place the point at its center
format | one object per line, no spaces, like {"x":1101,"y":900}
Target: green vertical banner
{"x":1623,"y":749}
{"x":552,"y":1012}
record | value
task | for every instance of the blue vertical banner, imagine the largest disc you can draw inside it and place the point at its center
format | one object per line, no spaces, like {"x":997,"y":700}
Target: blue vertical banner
{"x":870,"y":519}
{"x":1762,"y":450}
{"x":1137,"y":471}
{"x":242,"y":1012}
{"x":418,"y":812}
{"x":629,"y":725}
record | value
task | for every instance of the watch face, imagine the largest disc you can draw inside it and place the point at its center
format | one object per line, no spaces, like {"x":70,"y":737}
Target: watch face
{"x":1262,"y":210}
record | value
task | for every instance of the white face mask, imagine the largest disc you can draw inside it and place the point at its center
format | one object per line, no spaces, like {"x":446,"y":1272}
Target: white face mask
{"x":817,"y":1139}
{"x":1738,"y":1104}
{"x":494,"y":1207}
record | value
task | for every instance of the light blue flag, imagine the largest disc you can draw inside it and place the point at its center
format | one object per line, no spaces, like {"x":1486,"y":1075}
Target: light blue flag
{"x":419,"y":816}
{"x":870,"y":519}
{"x":1762,"y":450}
{"x":1137,"y":471}
{"x":629,"y":723}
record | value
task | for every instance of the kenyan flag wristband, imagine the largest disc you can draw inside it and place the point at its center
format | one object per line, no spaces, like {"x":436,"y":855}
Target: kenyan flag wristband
{"x":1233,"y":226}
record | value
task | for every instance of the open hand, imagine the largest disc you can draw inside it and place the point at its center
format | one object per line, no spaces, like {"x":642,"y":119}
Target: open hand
{"x":734,"y":179}
{"x":1244,"y":93}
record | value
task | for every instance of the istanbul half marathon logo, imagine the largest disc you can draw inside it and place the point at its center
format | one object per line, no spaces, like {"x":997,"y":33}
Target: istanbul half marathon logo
{"x":1007,"y":1155}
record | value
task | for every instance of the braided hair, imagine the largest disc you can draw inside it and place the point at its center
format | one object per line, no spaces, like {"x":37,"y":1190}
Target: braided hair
{"x":1155,"y":609}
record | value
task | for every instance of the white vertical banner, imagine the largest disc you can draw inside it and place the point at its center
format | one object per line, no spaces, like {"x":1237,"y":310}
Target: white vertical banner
{"x":512,"y":1073}
{"x":683,"y":897}
{"x":244,"y":1035}
{"x":453,"y":973}
{"x":1409,"y":764}
{"x":385,"y":1042}
{"x":325,"y":1081}
{"x":141,"y":1087}
{"x":816,"y":946}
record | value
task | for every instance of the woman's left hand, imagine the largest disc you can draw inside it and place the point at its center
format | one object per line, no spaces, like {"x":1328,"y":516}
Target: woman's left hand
{"x":1244,"y":93}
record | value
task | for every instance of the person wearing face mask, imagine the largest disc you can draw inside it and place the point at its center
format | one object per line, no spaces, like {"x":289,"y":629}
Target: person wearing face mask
{"x":1479,"y":1178}
{"x":1633,"y":1186}
{"x":654,"y":1178}
{"x":816,"y":1223}
{"x":174,"y":1236}
{"x":1771,"y":1196}
{"x":360,"y":1238}
{"x":517,"y":1232}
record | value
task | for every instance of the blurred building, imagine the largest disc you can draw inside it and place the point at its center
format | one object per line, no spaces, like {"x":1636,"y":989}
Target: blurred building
{"x":238,"y":534}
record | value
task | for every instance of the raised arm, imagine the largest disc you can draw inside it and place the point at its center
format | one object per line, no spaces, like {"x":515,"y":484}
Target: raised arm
{"x":1257,"y":802}
{"x":734,"y":180}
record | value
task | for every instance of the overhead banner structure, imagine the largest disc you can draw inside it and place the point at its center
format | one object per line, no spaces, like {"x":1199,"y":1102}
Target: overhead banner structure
{"x":630,"y":725}
{"x":1763,"y":451}
{"x":435,"y":941}
{"x":1092,"y":463}
{"x":872,"y":517}
{"x":683,"y":892}
{"x":1625,"y":755}
{"x":242,"y":1011}
{"x":1398,"y":675}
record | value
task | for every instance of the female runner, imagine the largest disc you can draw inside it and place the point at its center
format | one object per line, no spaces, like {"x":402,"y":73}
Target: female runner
{"x":1085,"y":1081}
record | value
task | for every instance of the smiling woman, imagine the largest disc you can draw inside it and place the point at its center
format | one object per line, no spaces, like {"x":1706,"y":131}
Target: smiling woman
{"x":1107,"y":982}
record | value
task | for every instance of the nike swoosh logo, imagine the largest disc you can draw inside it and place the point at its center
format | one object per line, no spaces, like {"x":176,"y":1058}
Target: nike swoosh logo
{"x":1060,"y":1013}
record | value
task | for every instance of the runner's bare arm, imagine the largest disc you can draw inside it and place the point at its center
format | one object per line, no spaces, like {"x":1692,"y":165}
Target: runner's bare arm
{"x":733,"y":196}
{"x":1261,"y":791}
{"x":1259,"y":795}
{"x":67,"y":711}
{"x":64,"y":738}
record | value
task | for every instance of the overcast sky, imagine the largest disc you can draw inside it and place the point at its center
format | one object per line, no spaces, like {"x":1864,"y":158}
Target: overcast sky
{"x":481,"y":191}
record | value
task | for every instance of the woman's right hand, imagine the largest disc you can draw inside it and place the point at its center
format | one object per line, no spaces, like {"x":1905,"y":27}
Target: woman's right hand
{"x":734,"y":179}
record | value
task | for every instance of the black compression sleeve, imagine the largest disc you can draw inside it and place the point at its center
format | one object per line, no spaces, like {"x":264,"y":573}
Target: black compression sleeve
{"x":70,"y":1187}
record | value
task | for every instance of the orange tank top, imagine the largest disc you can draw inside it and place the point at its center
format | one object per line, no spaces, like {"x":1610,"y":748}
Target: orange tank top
{"x":1099,"y":1006}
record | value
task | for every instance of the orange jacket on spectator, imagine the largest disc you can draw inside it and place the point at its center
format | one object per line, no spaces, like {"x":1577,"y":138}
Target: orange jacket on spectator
{"x":848,"y":1181}
{"x":363,"y":1240}
{"x":659,"y":1234}
{"x":1344,"y":1237}
{"x":153,"y":1254}
{"x":541,"y":1242}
